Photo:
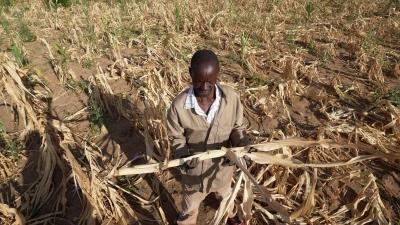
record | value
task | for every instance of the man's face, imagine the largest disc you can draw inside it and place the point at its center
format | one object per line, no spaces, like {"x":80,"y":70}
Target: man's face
{"x":204,"y":78}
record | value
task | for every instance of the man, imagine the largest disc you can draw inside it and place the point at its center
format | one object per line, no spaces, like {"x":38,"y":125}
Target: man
{"x":204,"y":117}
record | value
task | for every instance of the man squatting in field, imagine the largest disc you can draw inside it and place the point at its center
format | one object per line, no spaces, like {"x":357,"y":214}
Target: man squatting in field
{"x":204,"y":117}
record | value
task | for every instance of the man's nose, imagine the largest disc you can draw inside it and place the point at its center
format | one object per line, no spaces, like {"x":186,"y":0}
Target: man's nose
{"x":203,"y":85}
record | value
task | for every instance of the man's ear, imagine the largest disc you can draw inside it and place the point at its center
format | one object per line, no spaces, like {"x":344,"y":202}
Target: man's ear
{"x":190,"y":71}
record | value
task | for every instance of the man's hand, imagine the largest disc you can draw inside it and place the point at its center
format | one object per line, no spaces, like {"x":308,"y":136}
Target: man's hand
{"x":248,"y":159}
{"x":192,"y":163}
{"x":227,"y":162}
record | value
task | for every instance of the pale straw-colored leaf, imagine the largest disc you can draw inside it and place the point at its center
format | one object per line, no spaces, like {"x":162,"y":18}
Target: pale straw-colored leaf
{"x":262,"y":190}
{"x":265,"y":158}
{"x":16,"y":217}
{"x":226,"y":203}
{"x":308,"y":205}
{"x":248,"y":200}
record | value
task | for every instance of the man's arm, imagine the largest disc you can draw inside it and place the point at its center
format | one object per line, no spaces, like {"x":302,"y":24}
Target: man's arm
{"x":238,"y":135}
{"x":176,"y":132}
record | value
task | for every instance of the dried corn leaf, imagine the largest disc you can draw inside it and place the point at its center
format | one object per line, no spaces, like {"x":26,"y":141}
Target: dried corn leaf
{"x":262,"y":190}
{"x":12,"y":214}
{"x":226,"y":203}
{"x":264,"y":158}
{"x":248,"y":200}
{"x":307,"y":206}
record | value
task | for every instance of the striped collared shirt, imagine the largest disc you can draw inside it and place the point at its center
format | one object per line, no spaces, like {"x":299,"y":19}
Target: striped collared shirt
{"x":191,"y":102}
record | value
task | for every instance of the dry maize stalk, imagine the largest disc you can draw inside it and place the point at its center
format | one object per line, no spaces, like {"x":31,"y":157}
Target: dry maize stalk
{"x":261,"y":157}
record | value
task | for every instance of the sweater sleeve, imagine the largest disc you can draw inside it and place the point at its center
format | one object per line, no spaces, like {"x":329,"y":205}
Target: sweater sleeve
{"x":176,"y":135}
{"x":238,"y":136}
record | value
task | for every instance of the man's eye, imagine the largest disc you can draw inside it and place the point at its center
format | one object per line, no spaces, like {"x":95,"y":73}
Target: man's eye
{"x":200,"y":82}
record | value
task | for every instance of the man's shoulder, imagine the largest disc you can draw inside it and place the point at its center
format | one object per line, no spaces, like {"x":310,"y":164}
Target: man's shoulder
{"x":180,"y":98}
{"x":228,"y":90}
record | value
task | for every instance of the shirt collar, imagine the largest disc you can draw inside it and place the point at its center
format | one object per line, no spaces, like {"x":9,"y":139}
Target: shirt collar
{"x":191,"y":98}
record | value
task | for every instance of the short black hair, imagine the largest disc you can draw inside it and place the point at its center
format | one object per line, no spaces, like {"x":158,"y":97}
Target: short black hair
{"x":204,"y":56}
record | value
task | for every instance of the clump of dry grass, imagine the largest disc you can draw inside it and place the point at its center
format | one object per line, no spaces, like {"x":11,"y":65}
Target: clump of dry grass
{"x":11,"y":215}
{"x":280,"y":191}
{"x":17,"y":95}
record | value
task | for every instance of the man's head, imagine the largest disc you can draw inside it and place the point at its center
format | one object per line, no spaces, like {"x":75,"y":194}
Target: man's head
{"x":204,"y":68}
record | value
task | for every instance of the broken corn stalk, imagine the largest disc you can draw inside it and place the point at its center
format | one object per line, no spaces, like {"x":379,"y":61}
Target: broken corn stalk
{"x":262,"y":157}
